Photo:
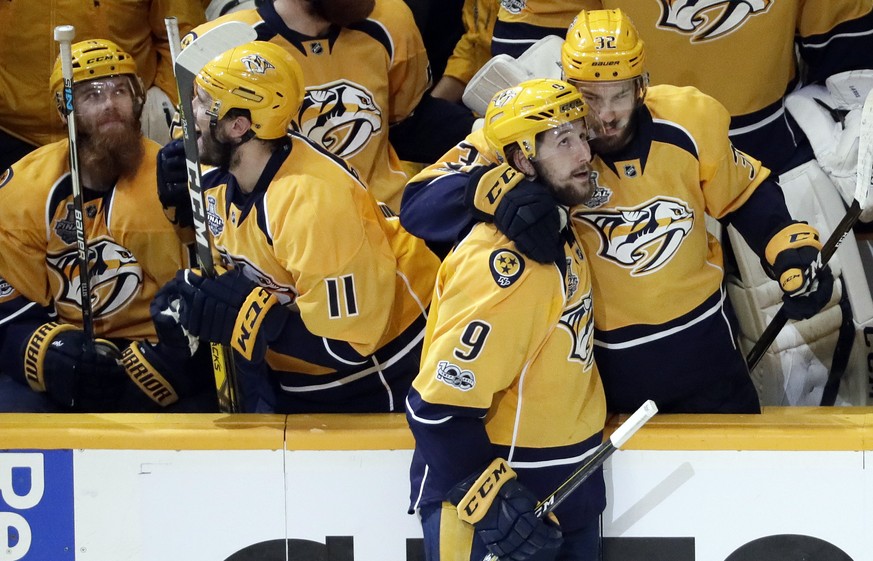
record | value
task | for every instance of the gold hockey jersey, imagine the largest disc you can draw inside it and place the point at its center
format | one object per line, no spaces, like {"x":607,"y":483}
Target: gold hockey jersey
{"x":644,"y":230}
{"x":359,"y":80}
{"x":508,"y":351}
{"x":133,"y":249}
{"x":313,"y":235}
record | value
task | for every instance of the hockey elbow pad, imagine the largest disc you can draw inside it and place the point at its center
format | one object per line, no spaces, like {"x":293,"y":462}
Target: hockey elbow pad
{"x":502,"y":512}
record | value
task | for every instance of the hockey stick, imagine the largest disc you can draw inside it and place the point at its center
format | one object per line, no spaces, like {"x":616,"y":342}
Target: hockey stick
{"x":621,"y":435}
{"x":860,"y":203}
{"x":64,"y":35}
{"x":188,"y":64}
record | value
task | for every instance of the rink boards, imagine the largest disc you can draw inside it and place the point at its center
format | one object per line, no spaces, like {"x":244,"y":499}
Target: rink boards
{"x":334,"y":488}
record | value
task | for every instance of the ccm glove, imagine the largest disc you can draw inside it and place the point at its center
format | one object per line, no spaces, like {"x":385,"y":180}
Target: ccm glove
{"x":792,"y":259}
{"x":503,"y":514}
{"x":525,"y":211}
{"x":230,"y":309}
{"x":173,"y":184}
{"x":74,"y":375}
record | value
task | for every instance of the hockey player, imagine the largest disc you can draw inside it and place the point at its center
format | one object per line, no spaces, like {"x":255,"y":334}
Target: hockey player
{"x":508,"y":398}
{"x":365,"y":68}
{"x":664,"y":329}
{"x":325,"y":297}
{"x":133,"y":250}
{"x":28,"y":118}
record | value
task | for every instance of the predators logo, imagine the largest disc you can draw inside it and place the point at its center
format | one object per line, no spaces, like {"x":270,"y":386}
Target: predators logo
{"x":706,"y":20}
{"x":340,"y":116}
{"x":579,"y":323}
{"x":114,"y":273}
{"x":642,"y":239}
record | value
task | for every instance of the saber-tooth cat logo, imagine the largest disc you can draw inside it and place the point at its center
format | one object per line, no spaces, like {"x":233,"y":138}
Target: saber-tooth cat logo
{"x":706,"y":20}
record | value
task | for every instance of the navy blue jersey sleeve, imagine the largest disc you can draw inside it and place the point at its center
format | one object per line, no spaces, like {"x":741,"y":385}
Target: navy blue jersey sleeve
{"x":451,"y":440}
{"x":434,"y":210}
{"x":847,"y":46}
{"x":762,"y":215}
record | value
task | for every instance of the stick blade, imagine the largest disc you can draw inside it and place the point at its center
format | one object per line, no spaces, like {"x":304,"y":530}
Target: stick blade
{"x":864,"y":179}
{"x":214,"y":42}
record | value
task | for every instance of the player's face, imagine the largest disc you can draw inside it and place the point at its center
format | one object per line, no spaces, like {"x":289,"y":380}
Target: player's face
{"x":613,"y":103}
{"x":212,"y":150}
{"x":563,"y":162}
{"x":104,"y":105}
{"x":107,"y":130}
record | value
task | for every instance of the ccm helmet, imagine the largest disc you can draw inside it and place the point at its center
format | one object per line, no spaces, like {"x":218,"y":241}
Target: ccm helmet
{"x":98,"y":58}
{"x":260,"y":77}
{"x":515,"y":116}
{"x":602,"y":45}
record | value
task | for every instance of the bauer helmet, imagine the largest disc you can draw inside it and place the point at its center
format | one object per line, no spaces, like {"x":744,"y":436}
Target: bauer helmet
{"x":262,"y":78}
{"x":94,"y":59}
{"x":515,"y":116}
{"x":602,"y":45}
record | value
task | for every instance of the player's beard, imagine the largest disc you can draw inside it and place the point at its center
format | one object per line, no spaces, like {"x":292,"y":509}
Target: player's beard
{"x":342,"y":12}
{"x":109,"y":154}
{"x":622,"y":134}
{"x":214,"y":152}
{"x":570,"y":189}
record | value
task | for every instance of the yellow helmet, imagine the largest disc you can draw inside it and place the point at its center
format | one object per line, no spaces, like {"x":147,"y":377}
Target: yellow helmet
{"x":602,"y":45}
{"x":260,"y":77}
{"x":97,"y":58}
{"x":516,"y":115}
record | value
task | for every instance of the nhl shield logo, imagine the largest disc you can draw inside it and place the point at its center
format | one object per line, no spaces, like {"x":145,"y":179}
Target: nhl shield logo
{"x":630,"y":170}
{"x":513,"y":6}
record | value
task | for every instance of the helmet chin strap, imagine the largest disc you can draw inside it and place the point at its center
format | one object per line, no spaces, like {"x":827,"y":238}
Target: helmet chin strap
{"x":213,"y":127}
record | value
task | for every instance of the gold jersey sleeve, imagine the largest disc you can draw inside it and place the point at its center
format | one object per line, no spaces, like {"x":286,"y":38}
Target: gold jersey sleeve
{"x":133,"y":249}
{"x":510,"y":335}
{"x":317,"y":238}
{"x":644,"y":227}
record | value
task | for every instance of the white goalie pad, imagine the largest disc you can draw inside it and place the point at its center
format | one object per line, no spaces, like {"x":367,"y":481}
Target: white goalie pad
{"x":158,"y":108}
{"x":499,"y":73}
{"x":830,"y":116}
{"x":541,"y":60}
{"x":794,"y":370}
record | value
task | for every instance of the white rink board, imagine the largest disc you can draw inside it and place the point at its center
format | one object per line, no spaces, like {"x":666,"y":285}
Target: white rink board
{"x":335,"y":488}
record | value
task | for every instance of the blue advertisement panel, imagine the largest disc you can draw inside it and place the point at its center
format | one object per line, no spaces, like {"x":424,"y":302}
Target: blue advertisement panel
{"x":36,"y":505}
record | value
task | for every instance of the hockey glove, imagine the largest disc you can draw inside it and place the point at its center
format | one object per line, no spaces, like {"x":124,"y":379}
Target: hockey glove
{"x":502,"y":512}
{"x":792,"y":259}
{"x":57,"y":362}
{"x":230,"y":309}
{"x":159,"y":371}
{"x":173,"y":184}
{"x":523,"y":210}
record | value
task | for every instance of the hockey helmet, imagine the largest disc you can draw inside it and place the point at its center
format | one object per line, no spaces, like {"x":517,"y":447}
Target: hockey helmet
{"x":94,"y":59}
{"x":515,"y":116}
{"x":260,"y":77}
{"x":602,"y":45}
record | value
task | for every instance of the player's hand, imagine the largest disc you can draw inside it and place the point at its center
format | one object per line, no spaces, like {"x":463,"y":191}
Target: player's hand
{"x":792,"y":257}
{"x":74,"y":375}
{"x":172,"y":172}
{"x":230,"y":309}
{"x":525,"y":211}
{"x":502,"y":512}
